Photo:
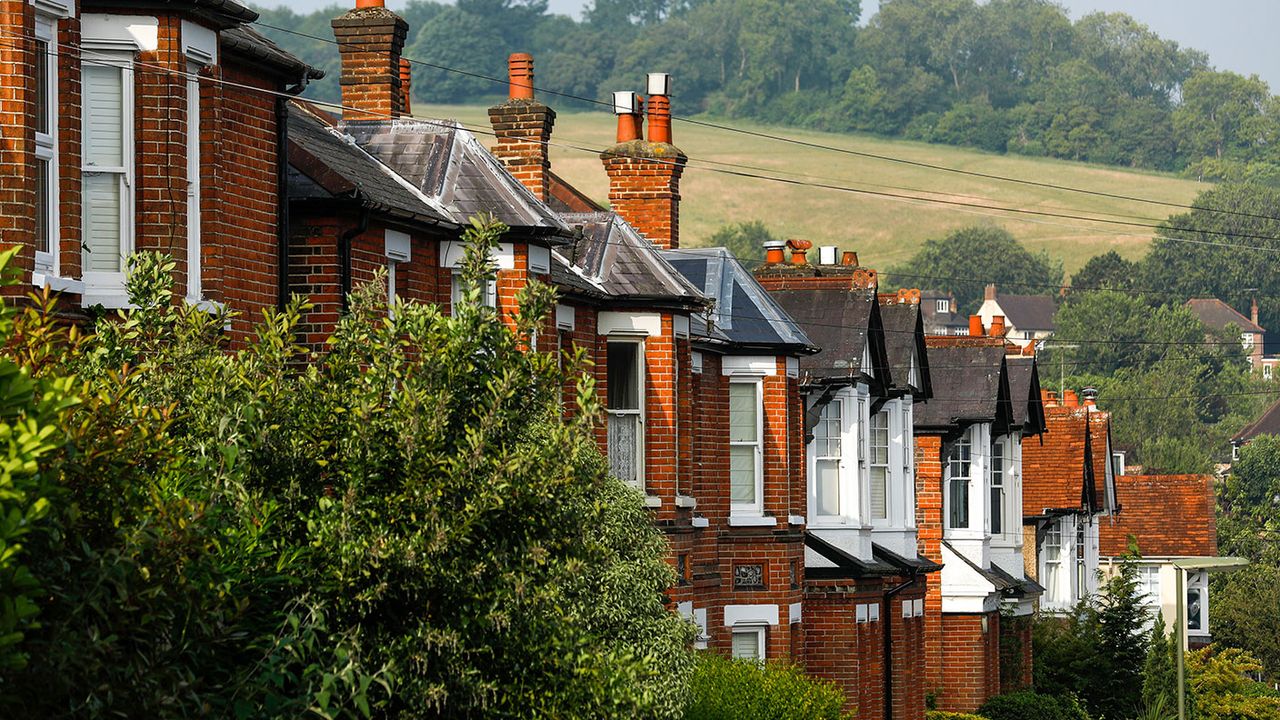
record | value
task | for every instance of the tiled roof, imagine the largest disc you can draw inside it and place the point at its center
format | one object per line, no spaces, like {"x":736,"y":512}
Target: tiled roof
{"x":904,"y":341}
{"x":247,"y":42}
{"x":1024,"y":395}
{"x":744,"y":314}
{"x":1169,"y":515}
{"x":1216,"y":315}
{"x":1055,"y":475}
{"x":969,"y":385}
{"x":1267,"y":424}
{"x":841,"y":321}
{"x":565,"y":198}
{"x":1028,"y":312}
{"x":610,"y":259}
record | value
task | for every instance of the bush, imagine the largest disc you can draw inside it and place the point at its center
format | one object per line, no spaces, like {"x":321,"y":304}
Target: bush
{"x":944,"y":715}
{"x":1030,"y":705}
{"x":723,"y":689}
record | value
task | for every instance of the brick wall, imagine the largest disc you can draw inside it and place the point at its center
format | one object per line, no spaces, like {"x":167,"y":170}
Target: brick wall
{"x":972,"y":670}
{"x":928,"y":466}
{"x":17,"y":132}
{"x":644,"y":188}
{"x":1015,"y":653}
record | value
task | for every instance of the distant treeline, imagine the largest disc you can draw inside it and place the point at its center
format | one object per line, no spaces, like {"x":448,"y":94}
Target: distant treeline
{"x":1006,"y":76}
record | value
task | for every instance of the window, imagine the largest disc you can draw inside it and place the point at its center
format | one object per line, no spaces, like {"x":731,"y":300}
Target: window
{"x":1082,"y":569}
{"x":748,"y":644}
{"x":878,"y":462}
{"x":958,"y":483}
{"x":828,"y":447}
{"x":46,"y":150}
{"x":1266,"y":372}
{"x":745,"y":451}
{"x":997,"y":488}
{"x":195,"y":289}
{"x":944,"y":306}
{"x":107,"y":91}
{"x":1195,"y":608}
{"x":1053,"y":562}
{"x":488,"y":294}
{"x":1149,"y":584}
{"x":626,"y":416}
{"x":1246,"y":339}
{"x":1117,"y":464}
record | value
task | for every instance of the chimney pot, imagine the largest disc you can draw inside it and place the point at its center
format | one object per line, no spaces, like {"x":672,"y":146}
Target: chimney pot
{"x":997,"y":326}
{"x":1049,"y":398}
{"x":798,"y":250}
{"x":658,"y":84}
{"x":850,"y":258}
{"x":827,"y":255}
{"x":1253,"y":310}
{"x":629,"y":107}
{"x":975,"y":326}
{"x":362,"y":4}
{"x":520,"y":76}
{"x":989,"y":293}
{"x":773,"y":251}
{"x":406,"y":82}
{"x":1070,"y":398}
{"x":659,"y":119}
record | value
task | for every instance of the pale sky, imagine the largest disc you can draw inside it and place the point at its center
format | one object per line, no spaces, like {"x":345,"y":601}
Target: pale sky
{"x":1239,"y":35}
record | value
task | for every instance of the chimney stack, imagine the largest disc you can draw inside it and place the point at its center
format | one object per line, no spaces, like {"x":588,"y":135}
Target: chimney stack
{"x":975,"y":326}
{"x":523,"y":127}
{"x":370,"y":41}
{"x":989,"y":293}
{"x":1253,"y":310}
{"x":644,"y":175}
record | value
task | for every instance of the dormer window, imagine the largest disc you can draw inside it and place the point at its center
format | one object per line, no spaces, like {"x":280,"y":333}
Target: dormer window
{"x":944,"y":306}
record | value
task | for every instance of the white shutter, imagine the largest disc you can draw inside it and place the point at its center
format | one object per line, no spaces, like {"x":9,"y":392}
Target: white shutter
{"x":102,"y":205}
{"x":103,"y":87}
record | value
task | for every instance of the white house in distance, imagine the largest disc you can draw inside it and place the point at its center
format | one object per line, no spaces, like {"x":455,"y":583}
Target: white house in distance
{"x":1027,"y":318}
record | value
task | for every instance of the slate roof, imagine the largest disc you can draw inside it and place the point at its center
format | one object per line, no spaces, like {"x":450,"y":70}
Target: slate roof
{"x":326,"y":164}
{"x":969,"y":385}
{"x":1055,"y":473}
{"x":609,"y":259}
{"x":903,"y":338}
{"x":1004,"y":582}
{"x":1028,"y":312}
{"x":1216,"y":315}
{"x":841,"y":322}
{"x":448,"y":165}
{"x":247,"y":42}
{"x":744,"y":314}
{"x":1267,"y":424}
{"x":1024,"y":395}
{"x":1176,"y":517}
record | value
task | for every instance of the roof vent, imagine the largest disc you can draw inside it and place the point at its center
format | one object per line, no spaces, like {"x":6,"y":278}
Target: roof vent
{"x":828,"y":255}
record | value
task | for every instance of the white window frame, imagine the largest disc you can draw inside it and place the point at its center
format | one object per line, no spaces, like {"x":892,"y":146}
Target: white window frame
{"x":965,"y":440}
{"x":47,"y":261}
{"x":1198,"y":582}
{"x":1246,"y":339}
{"x":759,"y":632}
{"x":906,"y":445}
{"x":1267,"y":371}
{"x":108,"y":287}
{"x":943,"y":306}
{"x":1149,"y":588}
{"x":1053,"y":586}
{"x":1002,"y":470}
{"x":195,"y":267}
{"x":844,"y":483}
{"x":886,"y":465}
{"x":756,"y":507}
{"x":638,"y":412}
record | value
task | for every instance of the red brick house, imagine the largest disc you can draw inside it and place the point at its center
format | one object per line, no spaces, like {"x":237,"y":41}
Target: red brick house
{"x":1069,"y":496}
{"x":969,"y":441}
{"x":1177,"y":522}
{"x":147,"y":127}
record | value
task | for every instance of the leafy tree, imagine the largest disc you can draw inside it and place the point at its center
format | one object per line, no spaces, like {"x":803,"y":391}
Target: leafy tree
{"x":987,"y":254}
{"x":1223,"y":689}
{"x":403,"y":523}
{"x":1222,"y":114}
{"x":1246,"y":613}
{"x":1108,"y":271}
{"x":438,"y":42}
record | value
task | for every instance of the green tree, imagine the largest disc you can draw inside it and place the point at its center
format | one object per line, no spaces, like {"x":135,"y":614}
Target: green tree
{"x":986,"y":254}
{"x":1222,"y":114}
{"x":1108,"y":271}
{"x":1246,"y":613}
{"x":1159,"y":673}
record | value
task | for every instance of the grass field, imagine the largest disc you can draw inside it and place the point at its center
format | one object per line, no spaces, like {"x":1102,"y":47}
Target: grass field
{"x":883,"y":231}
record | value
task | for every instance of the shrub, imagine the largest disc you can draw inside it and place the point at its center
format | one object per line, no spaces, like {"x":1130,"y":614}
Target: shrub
{"x":945,"y":715}
{"x":1030,"y":705}
{"x":723,"y":689}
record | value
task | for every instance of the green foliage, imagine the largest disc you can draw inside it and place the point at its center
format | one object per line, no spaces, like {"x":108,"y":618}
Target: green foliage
{"x":988,"y":253}
{"x":1108,"y":271}
{"x":945,"y":715}
{"x":724,"y":689}
{"x":1030,"y":705}
{"x":1159,"y":673}
{"x":1096,"y":653}
{"x":403,"y":523}
{"x":745,"y":239}
{"x":1223,"y":689}
{"x":1246,"y":613}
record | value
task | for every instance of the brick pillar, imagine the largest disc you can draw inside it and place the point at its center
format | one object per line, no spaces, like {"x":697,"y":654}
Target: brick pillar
{"x":644,"y":178}
{"x":928,"y":464}
{"x":17,"y":133}
{"x":523,"y":128}
{"x":370,"y":40}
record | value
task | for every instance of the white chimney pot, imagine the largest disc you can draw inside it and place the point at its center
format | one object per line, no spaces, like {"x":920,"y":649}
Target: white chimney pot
{"x":624,"y":103}
{"x":828,"y":255}
{"x":659,"y":84}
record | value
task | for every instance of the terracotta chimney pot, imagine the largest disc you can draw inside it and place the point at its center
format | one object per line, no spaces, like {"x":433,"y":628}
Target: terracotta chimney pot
{"x":520,"y":76}
{"x":997,"y":326}
{"x":1070,"y":398}
{"x":849,"y":259}
{"x":773,"y":252}
{"x":660,"y":119}
{"x":362,"y":4}
{"x":975,"y":326}
{"x":798,"y":250}
{"x":406,"y":82}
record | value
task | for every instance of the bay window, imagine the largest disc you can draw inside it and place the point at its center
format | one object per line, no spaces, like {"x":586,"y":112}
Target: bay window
{"x":958,"y":467}
{"x":828,"y":442}
{"x":46,"y":149}
{"x":107,"y":91}
{"x":878,"y":465}
{"x":997,"y":488}
{"x":1053,"y":564}
{"x":625,"y":409}
{"x":746,"y":456}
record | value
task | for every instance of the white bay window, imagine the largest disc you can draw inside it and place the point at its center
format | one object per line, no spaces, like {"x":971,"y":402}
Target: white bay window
{"x":195,"y":289}
{"x":959,"y":464}
{"x":878,"y":465}
{"x":107,"y":91}
{"x":625,"y":408}
{"x":46,"y":149}
{"x":746,"y":447}
{"x":828,"y":460}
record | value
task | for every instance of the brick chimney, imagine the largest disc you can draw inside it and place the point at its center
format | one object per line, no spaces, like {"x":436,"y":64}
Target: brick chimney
{"x":370,"y":40}
{"x":1253,"y":310}
{"x":523,"y":128}
{"x":644,"y":175}
{"x":989,"y":293}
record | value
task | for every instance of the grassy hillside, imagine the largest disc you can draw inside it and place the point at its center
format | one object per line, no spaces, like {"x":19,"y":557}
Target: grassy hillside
{"x":881,"y":230}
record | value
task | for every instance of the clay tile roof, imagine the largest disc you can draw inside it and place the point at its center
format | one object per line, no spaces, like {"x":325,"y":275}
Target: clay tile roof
{"x":1028,"y":312}
{"x":1217,"y":315}
{"x":1267,"y":424}
{"x":1169,"y":515}
{"x":1055,"y":475}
